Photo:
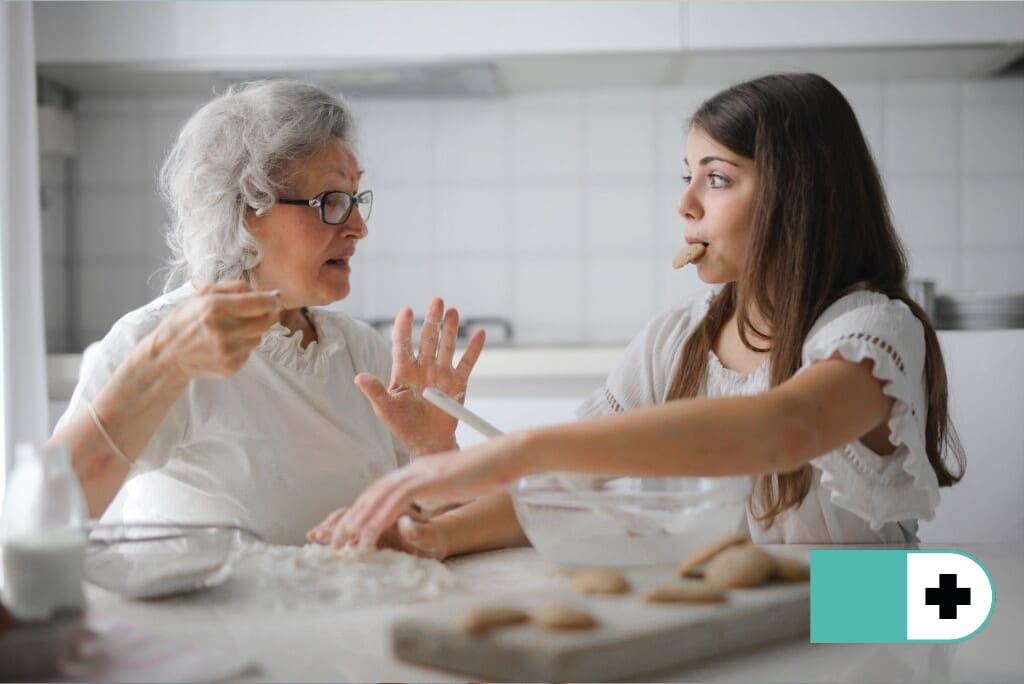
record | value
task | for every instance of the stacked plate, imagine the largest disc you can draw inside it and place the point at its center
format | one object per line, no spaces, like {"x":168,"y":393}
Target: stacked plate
{"x":979,"y":312}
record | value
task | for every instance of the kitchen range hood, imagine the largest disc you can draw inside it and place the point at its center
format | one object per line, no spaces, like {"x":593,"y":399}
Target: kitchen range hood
{"x":482,"y":79}
{"x":487,"y":48}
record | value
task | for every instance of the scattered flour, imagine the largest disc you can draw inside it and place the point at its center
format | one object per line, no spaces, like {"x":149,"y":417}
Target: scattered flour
{"x":290,"y":577}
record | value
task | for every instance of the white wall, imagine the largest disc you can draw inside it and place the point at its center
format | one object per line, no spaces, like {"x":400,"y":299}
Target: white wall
{"x":57,"y":254}
{"x":557,"y":210}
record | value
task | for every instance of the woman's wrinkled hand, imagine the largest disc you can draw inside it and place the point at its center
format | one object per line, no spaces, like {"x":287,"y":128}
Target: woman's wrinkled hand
{"x":423,"y":427}
{"x":413,"y":533}
{"x":427,"y":482}
{"x":212,"y":333}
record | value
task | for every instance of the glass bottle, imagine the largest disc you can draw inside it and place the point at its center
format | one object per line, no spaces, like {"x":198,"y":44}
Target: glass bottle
{"x":43,"y":535}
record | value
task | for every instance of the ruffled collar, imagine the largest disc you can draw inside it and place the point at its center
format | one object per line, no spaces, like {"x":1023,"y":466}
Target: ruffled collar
{"x":716,"y":369}
{"x":283,"y":347}
{"x":715,"y":366}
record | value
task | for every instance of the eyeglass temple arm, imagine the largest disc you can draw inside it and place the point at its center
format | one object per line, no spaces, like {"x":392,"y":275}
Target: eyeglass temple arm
{"x":315,"y":202}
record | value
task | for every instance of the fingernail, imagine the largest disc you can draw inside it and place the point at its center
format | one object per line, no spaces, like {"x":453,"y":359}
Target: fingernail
{"x":276,"y":293}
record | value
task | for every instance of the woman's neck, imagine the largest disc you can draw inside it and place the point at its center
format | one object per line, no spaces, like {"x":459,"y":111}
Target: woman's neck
{"x":294,"y":319}
{"x":299,"y":319}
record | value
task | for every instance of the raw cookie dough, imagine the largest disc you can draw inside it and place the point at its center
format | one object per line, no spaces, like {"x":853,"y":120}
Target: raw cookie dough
{"x":563,"y":616}
{"x":790,"y":569}
{"x":607,"y":582}
{"x":708,"y":551}
{"x":739,"y":566}
{"x":483,"y":619}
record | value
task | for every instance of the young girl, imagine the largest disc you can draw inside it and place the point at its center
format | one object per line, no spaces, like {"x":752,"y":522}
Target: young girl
{"x":810,"y":369}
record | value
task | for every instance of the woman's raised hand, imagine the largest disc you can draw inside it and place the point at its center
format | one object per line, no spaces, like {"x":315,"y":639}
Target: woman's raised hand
{"x":212,"y":333}
{"x":423,"y":427}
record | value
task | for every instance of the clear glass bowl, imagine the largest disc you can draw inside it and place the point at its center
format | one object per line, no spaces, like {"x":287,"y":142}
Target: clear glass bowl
{"x":591,"y":521}
{"x":146,"y":561}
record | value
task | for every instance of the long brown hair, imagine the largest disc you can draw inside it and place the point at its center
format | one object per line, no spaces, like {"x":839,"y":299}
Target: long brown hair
{"x":821,"y":228}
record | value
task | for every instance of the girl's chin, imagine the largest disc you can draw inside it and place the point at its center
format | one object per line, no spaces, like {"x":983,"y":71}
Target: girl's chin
{"x":714,"y":276}
{"x":709,"y":276}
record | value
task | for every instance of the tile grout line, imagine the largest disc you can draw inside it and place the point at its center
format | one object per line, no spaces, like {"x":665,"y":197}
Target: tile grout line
{"x":958,"y":198}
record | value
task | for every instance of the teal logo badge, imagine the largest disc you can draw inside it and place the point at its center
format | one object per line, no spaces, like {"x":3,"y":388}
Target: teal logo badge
{"x":897,"y":596}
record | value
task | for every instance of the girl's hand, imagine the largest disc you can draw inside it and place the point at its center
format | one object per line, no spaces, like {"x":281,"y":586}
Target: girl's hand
{"x":431,"y":481}
{"x":212,"y":333}
{"x":413,"y":533}
{"x":423,"y":427}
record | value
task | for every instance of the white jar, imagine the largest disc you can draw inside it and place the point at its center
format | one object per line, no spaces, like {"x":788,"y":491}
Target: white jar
{"x":43,"y":535}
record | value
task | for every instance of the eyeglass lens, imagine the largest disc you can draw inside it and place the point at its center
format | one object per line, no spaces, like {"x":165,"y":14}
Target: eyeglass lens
{"x":337,"y":205}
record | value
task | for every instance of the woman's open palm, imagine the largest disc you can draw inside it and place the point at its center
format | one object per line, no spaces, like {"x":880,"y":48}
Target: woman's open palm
{"x":423,"y":427}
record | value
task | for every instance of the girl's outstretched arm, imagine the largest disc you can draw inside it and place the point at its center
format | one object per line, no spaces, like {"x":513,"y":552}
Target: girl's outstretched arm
{"x":829,"y":404}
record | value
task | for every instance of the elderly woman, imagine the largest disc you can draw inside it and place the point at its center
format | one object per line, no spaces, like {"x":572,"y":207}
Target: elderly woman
{"x":229,"y":399}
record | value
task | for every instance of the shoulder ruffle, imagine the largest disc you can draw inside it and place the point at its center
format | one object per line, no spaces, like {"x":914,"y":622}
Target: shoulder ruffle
{"x":901,"y":485}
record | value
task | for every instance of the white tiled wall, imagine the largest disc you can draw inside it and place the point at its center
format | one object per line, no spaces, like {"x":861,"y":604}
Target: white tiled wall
{"x":56,"y":253}
{"x":555,"y":210}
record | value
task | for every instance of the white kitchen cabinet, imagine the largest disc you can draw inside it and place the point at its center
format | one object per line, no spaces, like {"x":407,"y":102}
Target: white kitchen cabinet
{"x":264,"y":35}
{"x":837,"y":25}
{"x":240,"y":35}
{"x":986,"y":396}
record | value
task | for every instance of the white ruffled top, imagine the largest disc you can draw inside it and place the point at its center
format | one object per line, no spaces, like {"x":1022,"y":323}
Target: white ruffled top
{"x":275,"y":447}
{"x":857,"y":495}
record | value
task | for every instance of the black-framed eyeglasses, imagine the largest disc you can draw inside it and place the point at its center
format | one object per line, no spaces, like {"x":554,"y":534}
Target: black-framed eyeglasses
{"x":336,"y":205}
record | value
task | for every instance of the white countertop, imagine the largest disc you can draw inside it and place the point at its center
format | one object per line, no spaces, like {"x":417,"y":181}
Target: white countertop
{"x":354,"y":644}
{"x":532,"y":371}
{"x":556,"y":370}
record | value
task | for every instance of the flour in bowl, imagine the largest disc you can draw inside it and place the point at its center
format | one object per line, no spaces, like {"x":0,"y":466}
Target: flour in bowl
{"x":313,"y":575}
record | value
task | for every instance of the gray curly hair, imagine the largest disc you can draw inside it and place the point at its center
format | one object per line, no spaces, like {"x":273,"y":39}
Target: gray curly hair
{"x":236,"y":152}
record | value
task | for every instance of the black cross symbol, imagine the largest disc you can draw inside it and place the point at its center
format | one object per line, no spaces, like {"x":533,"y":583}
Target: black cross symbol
{"x":947,"y":596}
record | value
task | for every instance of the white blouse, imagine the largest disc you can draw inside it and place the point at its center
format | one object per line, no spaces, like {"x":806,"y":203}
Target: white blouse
{"x":274,"y":447}
{"x":856,"y":496}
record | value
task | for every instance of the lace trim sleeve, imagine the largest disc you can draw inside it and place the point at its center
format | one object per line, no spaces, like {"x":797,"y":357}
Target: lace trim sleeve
{"x":900,"y":485}
{"x":600,"y":403}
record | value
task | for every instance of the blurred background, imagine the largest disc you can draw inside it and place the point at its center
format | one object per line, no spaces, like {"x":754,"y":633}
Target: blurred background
{"x":526,"y":160}
{"x":525,"y":157}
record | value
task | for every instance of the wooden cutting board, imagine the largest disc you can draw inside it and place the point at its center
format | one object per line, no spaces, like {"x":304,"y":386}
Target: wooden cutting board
{"x":633,"y":637}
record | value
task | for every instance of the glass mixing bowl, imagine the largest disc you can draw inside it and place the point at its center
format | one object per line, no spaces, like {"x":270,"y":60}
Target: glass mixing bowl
{"x":154,"y":560}
{"x":586,"y":521}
